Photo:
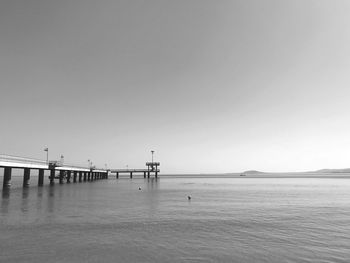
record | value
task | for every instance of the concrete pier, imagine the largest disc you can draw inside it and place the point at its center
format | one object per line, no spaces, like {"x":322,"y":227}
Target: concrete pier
{"x":152,"y":168}
{"x":69,"y":174}
{"x":26,"y":177}
{"x":52,"y":176}
{"x":61,"y":177}
{"x":64,"y":172}
{"x":75,"y":174}
{"x":7,"y":177}
{"x":41,"y":177}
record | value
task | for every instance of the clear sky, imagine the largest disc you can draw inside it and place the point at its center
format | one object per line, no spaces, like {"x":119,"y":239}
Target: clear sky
{"x":211,"y":86}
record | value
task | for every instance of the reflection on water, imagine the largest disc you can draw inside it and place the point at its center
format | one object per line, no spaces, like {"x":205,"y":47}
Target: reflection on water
{"x":152,"y":183}
{"x":39,"y":198}
{"x":25,"y":199}
{"x":50,"y":199}
{"x":5,"y":200}
{"x":6,"y":193}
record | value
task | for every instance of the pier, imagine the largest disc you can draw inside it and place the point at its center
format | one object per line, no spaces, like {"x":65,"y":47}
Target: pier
{"x":58,"y":170}
{"x":152,"y":168}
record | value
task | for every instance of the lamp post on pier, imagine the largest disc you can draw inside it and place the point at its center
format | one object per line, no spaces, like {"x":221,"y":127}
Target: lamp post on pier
{"x":47,"y":154}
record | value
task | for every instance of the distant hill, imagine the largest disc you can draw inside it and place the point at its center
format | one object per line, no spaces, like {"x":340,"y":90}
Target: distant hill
{"x":322,"y":171}
{"x":252,"y":172}
{"x":345,"y":170}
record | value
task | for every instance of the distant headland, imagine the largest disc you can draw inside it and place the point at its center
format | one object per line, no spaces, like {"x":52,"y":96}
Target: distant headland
{"x":255,"y":173}
{"x":345,"y":170}
{"x":321,"y":171}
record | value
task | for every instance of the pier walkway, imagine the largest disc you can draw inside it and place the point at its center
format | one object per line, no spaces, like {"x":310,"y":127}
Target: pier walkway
{"x":152,"y":167}
{"x":57,"y":170}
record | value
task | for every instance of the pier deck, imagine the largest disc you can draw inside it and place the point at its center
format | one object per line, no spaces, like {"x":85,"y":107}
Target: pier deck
{"x":152,"y":167}
{"x":66,"y":172}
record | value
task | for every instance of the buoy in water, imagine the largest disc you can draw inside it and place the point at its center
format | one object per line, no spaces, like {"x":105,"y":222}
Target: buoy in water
{"x":139,"y":188}
{"x":189,"y":197}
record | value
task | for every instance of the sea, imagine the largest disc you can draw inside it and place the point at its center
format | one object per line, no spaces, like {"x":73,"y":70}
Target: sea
{"x":227,"y":219}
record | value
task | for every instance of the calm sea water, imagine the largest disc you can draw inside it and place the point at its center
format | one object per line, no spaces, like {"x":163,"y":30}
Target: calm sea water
{"x":227,"y":220}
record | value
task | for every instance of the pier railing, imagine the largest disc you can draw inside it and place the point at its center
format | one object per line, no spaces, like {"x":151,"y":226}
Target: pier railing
{"x":5,"y":158}
{"x":22,"y":162}
{"x":11,"y":158}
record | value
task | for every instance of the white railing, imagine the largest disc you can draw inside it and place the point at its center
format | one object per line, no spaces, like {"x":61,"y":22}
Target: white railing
{"x":18,"y":159}
{"x":31,"y":161}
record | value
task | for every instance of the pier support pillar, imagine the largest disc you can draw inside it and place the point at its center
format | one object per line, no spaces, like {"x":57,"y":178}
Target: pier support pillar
{"x":130,"y":175}
{"x":85,"y":176}
{"x":41,"y":177}
{"x":88,"y":176}
{"x":116,"y":175}
{"x":61,"y":177}
{"x":144,"y":174}
{"x":7,"y":177}
{"x":75,"y":173}
{"x":156,"y":174}
{"x":26,"y":177}
{"x":149,"y":173}
{"x":68,"y":176}
{"x":52,"y":176}
{"x":80,"y":176}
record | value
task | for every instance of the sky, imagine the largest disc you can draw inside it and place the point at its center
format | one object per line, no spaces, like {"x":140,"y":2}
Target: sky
{"x":210,"y":86}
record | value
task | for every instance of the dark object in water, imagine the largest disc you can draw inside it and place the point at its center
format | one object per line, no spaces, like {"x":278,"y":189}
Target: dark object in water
{"x":189,"y":197}
{"x":139,"y":188}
